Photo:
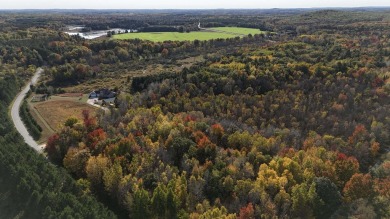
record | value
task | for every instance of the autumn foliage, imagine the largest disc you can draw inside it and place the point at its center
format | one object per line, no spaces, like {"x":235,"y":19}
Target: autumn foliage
{"x":291,"y":125}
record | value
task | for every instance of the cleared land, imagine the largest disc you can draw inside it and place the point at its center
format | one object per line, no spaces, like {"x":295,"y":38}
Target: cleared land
{"x":204,"y":34}
{"x":57,"y":110}
{"x":237,"y":30}
{"x":119,"y":78}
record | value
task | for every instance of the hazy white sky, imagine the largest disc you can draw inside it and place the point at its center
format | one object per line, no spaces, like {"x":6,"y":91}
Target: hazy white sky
{"x":183,"y":4}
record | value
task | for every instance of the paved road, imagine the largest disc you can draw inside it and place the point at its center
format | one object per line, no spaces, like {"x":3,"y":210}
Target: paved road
{"x":16,"y":117}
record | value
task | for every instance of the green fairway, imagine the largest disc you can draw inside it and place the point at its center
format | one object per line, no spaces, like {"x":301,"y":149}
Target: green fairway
{"x":212,"y":33}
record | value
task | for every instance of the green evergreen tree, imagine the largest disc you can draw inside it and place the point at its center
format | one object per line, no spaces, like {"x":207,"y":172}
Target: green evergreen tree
{"x":140,"y":205}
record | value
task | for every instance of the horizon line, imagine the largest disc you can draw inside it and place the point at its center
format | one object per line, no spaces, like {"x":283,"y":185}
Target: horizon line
{"x":156,"y":9}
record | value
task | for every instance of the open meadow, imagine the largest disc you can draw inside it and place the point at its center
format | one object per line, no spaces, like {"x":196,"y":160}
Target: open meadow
{"x":204,"y":34}
{"x":236,"y":30}
{"x":57,"y":110}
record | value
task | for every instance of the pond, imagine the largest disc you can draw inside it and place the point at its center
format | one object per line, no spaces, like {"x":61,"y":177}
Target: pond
{"x":77,"y":30}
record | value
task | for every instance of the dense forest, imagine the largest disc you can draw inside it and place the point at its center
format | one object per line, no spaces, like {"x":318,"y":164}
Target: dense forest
{"x":30,"y":186}
{"x":293,"y":123}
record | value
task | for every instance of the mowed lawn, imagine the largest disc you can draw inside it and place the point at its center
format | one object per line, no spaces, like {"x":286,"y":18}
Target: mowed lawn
{"x":212,"y":33}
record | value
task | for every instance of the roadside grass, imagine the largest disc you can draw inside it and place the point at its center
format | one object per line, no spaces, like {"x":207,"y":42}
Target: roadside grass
{"x":46,"y":130}
{"x":206,"y":34}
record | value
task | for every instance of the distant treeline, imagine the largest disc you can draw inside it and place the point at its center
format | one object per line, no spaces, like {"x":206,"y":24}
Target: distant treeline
{"x":158,"y":29}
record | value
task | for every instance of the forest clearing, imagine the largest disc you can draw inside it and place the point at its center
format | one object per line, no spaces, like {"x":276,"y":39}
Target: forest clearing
{"x":203,"y":34}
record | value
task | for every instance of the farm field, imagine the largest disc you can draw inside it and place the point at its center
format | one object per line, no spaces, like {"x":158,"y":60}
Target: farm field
{"x":237,"y":30}
{"x":205,"y":34}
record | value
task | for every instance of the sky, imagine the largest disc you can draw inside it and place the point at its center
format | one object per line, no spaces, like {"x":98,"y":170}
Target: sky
{"x":183,"y":4}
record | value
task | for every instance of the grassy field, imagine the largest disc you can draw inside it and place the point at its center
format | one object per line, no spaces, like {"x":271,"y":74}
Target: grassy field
{"x":208,"y":34}
{"x":237,"y":30}
{"x":58,"y":109}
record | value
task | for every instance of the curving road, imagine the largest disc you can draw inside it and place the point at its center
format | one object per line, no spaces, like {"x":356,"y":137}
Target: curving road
{"x":16,"y":117}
